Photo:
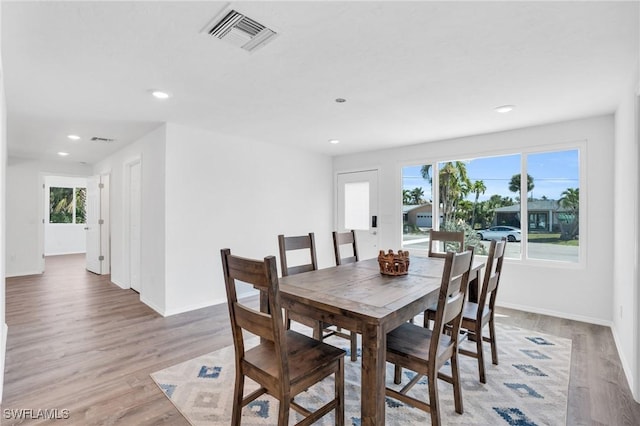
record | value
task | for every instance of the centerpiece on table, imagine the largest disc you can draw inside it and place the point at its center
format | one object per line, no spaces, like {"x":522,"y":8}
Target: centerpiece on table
{"x":394,"y":263}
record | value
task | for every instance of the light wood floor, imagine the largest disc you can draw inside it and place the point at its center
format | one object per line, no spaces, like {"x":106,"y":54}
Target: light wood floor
{"x":78,"y":342}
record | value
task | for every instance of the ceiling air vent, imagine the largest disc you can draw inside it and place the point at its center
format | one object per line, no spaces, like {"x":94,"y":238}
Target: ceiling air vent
{"x":103,"y":140}
{"x":241,"y":31}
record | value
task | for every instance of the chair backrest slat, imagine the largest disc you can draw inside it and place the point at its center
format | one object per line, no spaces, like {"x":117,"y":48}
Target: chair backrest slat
{"x":447,"y":238}
{"x":248,"y":271}
{"x":254,"y":322}
{"x":345,"y":238}
{"x":302,"y":242}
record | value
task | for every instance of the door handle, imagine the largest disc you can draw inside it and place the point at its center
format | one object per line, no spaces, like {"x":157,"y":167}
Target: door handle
{"x":374,"y":221}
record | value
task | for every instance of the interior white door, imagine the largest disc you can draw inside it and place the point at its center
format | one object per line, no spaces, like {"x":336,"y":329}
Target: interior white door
{"x":92,"y":228}
{"x":135,"y":179}
{"x":357,"y":206}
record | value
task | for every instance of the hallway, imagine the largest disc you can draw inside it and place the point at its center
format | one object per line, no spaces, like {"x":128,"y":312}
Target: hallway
{"x":80,"y":343}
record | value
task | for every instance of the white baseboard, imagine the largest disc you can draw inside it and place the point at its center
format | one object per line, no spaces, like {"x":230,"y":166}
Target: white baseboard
{"x":22,"y":274}
{"x":122,"y":286}
{"x":64,"y":253}
{"x":152,"y":306}
{"x":558,"y":314}
{"x":180,"y":309}
{"x":628,"y":371}
{"x":183,"y":309}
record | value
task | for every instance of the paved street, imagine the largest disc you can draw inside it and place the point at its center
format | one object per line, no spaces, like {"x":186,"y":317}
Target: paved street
{"x":544,"y":251}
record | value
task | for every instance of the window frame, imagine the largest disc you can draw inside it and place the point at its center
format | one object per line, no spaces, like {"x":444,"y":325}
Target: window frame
{"x":579,"y":145}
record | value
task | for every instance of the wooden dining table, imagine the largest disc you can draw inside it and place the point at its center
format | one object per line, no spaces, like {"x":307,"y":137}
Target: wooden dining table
{"x":359,"y":298}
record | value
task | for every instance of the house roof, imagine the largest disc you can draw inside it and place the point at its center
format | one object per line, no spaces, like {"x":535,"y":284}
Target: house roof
{"x":535,"y":205}
{"x":406,"y":208}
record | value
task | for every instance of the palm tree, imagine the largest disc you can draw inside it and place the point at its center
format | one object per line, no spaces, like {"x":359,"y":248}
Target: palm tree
{"x":478,"y":188}
{"x":81,"y":205}
{"x":514,"y":184}
{"x":426,"y":172}
{"x":406,"y":196}
{"x":416,"y":195}
{"x":454,"y":186}
{"x":570,"y":201}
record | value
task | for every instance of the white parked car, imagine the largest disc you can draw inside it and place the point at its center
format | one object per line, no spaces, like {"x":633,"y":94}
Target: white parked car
{"x":498,"y":232}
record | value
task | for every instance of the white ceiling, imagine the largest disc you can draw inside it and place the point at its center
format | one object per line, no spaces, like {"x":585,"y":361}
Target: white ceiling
{"x":411,"y":71}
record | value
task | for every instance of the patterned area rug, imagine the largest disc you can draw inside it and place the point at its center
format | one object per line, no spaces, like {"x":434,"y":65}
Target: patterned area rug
{"x":528,"y":387}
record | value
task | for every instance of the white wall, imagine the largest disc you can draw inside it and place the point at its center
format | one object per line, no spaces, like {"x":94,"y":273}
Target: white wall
{"x":203,"y":191}
{"x":227,"y":192}
{"x":151,"y":149}
{"x":582,"y":293}
{"x":24,"y":210}
{"x":63,"y":238}
{"x":3,"y":168}
{"x":626,"y":327}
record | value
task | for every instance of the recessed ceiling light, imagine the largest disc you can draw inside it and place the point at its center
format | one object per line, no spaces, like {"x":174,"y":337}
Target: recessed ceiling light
{"x":504,"y":108}
{"x":334,"y":141}
{"x":340,"y":100}
{"x":74,"y":137}
{"x":63,"y":154}
{"x":159,"y":94}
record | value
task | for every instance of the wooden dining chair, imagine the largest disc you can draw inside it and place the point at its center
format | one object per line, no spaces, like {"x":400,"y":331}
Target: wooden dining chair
{"x":425,"y":351}
{"x":284,"y":363}
{"x":445,"y":240}
{"x":476,"y":315}
{"x":306,"y":243}
{"x":345,"y":239}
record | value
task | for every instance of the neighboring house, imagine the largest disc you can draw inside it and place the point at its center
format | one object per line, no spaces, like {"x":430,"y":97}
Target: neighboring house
{"x":544,"y":215}
{"x":417,"y":215}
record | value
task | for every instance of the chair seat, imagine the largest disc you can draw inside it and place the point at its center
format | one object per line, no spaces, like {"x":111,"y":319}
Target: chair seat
{"x":471,"y":311}
{"x":306,"y":355}
{"x":412,"y":342}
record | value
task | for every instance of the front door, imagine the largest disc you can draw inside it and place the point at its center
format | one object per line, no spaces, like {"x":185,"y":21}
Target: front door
{"x":135,"y":193}
{"x":93,"y":256}
{"x":357,"y":206}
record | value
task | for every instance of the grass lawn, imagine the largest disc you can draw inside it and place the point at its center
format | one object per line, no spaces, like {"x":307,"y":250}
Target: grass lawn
{"x":552,"y":239}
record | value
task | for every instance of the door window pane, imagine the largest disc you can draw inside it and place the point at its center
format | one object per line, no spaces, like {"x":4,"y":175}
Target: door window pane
{"x":356,"y":206}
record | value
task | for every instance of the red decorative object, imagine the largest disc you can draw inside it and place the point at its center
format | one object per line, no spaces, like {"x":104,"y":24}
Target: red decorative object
{"x":394,"y":264}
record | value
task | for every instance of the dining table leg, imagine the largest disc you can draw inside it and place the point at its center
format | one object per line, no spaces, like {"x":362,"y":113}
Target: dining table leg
{"x":473,"y":286}
{"x":373,"y":375}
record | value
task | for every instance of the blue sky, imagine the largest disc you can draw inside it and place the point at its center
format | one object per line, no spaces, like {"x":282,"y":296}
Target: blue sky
{"x":552,"y":172}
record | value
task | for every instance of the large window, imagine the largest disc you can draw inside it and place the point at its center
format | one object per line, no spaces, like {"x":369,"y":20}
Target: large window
{"x":488,"y":199}
{"x":67,"y":205}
